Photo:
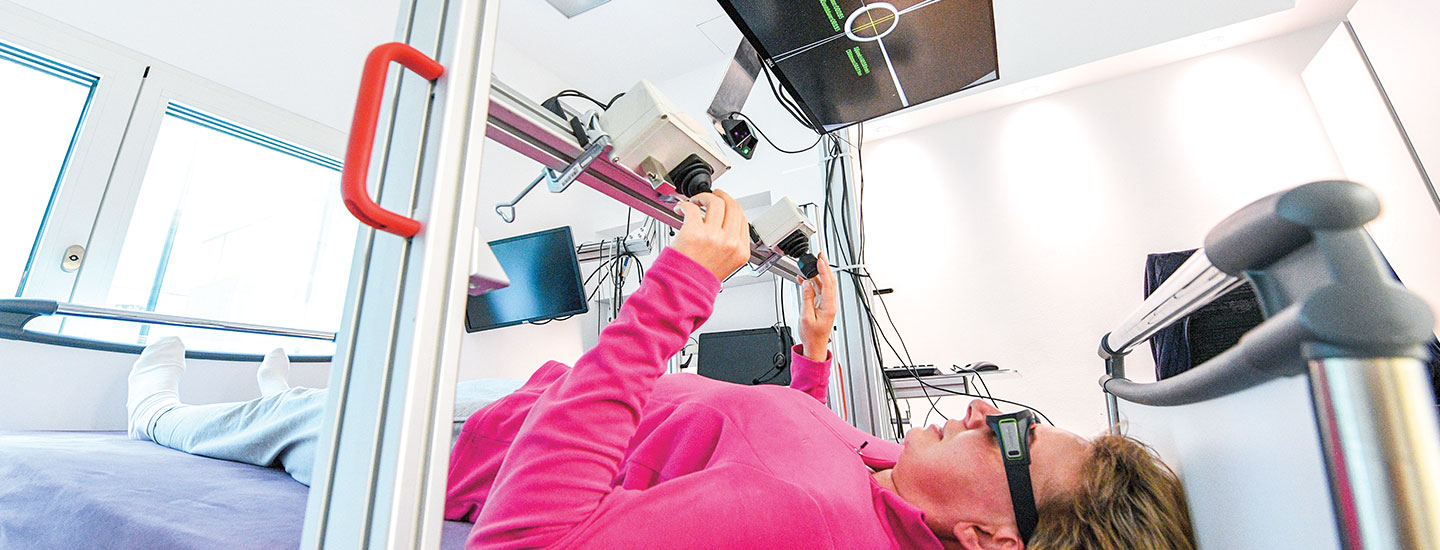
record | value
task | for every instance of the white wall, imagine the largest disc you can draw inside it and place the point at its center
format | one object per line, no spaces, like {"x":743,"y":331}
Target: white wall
{"x":1402,"y":37}
{"x":46,"y":387}
{"x":1368,"y":142}
{"x":1019,"y":235}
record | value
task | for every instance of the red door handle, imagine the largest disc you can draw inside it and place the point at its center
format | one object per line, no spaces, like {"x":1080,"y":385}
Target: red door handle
{"x":362,"y":135}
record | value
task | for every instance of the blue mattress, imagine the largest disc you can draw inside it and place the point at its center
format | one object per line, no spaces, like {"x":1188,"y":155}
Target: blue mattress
{"x":68,"y":490}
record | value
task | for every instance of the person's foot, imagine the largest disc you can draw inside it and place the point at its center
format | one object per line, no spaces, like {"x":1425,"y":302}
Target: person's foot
{"x":154,"y":385}
{"x":274,"y":373}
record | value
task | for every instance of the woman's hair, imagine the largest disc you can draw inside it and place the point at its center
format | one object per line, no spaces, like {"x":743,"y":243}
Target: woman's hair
{"x":1127,"y":499}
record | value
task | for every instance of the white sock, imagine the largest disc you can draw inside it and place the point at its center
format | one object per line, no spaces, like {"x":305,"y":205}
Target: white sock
{"x":154,"y":385}
{"x":274,"y":373}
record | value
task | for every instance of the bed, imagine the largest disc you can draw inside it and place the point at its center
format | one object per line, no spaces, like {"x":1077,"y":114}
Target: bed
{"x":66,"y":490}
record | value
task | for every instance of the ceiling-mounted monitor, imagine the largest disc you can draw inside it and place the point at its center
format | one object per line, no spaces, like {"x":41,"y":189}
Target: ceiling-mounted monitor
{"x":848,"y":61}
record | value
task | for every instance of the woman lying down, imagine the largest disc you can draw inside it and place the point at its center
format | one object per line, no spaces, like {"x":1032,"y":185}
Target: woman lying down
{"x":610,"y":454}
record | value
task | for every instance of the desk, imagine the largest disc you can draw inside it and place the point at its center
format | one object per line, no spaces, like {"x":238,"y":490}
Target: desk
{"x":910,"y":388}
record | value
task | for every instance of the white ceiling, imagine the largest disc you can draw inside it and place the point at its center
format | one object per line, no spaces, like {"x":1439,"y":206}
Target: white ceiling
{"x":304,"y":56}
{"x":608,"y":49}
{"x":1045,"y":45}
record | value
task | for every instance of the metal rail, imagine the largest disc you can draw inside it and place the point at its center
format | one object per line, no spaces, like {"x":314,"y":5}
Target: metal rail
{"x":1196,"y":283}
{"x":89,"y":312}
{"x":529,"y":129}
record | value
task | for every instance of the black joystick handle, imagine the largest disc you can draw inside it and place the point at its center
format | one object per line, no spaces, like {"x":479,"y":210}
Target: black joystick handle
{"x":692,"y":176}
{"x":797,"y":246}
{"x":809,"y":265}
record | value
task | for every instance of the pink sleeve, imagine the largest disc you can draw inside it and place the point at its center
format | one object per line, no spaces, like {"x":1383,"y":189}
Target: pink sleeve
{"x":810,"y":376}
{"x":566,"y":455}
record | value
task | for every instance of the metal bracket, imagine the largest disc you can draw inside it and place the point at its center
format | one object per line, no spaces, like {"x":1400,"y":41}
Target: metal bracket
{"x":558,"y":182}
{"x":763,"y":267}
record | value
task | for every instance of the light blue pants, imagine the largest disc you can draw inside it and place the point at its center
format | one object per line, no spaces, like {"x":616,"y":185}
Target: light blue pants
{"x":279,"y":430}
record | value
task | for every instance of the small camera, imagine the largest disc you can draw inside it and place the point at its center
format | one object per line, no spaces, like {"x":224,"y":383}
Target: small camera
{"x":739,"y":137}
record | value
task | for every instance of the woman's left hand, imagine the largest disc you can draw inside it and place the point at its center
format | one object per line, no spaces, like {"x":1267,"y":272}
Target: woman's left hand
{"x":817,"y":317}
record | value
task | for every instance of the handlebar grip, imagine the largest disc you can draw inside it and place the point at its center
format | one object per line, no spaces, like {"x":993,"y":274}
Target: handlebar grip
{"x":353,"y":187}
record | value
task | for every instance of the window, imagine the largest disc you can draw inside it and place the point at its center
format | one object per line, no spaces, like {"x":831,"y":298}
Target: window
{"x":186,"y":197}
{"x":42,"y":106}
{"x":231,"y":224}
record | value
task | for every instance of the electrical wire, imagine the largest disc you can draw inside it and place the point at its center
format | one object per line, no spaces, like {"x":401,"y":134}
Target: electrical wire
{"x":582,"y":95}
{"x":983,"y":385}
{"x":1006,"y":401}
{"x":848,"y":249}
{"x":838,"y":234}
{"x":790,"y":105}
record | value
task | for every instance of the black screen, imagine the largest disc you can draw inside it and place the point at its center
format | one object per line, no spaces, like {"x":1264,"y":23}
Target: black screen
{"x":544,"y":282}
{"x":749,"y":357}
{"x":848,"y":61}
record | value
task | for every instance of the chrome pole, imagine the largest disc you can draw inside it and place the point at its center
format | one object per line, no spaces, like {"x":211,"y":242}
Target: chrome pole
{"x":1196,"y":283}
{"x":1381,"y":441}
{"x":1114,"y":366}
{"x":88,"y":312}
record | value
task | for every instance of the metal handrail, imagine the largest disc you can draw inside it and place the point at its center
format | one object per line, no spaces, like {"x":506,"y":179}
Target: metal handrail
{"x":146,"y":317}
{"x":1195,"y":284}
{"x":15,"y":313}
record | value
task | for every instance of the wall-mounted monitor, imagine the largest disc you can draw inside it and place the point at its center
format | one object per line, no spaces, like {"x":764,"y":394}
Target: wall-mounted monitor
{"x":544,"y":277}
{"x":848,"y":61}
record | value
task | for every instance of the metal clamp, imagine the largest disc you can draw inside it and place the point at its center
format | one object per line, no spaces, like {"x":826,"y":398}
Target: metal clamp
{"x":558,"y":182}
{"x":764,"y":267}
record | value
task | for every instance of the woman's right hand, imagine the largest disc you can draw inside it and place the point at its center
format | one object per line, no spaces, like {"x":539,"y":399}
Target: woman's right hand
{"x":717,"y":237}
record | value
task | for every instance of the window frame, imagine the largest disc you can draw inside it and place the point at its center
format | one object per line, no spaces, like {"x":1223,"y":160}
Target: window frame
{"x":106,"y":167}
{"x":70,"y":217}
{"x":165,"y":86}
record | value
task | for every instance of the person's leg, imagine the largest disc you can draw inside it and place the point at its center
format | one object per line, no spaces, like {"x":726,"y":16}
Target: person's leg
{"x":279,"y":429}
{"x":154,"y":385}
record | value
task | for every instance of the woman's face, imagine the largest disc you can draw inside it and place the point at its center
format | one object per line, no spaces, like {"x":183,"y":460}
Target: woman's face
{"x":955,"y":473}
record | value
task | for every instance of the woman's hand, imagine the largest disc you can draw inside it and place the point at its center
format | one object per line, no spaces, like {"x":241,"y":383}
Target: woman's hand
{"x":817,"y":317}
{"x":717,"y":237}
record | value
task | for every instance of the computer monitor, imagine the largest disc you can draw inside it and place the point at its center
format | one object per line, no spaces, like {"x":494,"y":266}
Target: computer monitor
{"x":544,"y":277}
{"x":749,"y":357}
{"x":848,"y":61}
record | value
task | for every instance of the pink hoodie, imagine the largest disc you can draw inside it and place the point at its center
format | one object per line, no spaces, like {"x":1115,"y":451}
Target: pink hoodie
{"x":610,"y":454}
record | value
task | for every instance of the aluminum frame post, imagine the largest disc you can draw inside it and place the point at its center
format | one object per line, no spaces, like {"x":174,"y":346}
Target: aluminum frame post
{"x":1378,"y":428}
{"x":384,"y":447}
{"x":854,"y":344}
{"x":1114,"y":366}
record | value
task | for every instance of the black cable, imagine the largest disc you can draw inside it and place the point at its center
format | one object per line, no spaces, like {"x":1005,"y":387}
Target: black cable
{"x":788,"y":103}
{"x":891,"y":318}
{"x":777,"y":367}
{"x":832,"y":236}
{"x":777,"y":295}
{"x":1016,"y":403}
{"x":767,"y":138}
{"x":983,"y":385}
{"x":860,"y":172}
{"x":843,"y":224}
{"x":582,"y":95}
{"x":843,"y":238}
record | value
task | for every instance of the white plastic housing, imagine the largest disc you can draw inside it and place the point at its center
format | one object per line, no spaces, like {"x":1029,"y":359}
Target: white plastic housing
{"x":780,"y":221}
{"x":644,"y":125}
